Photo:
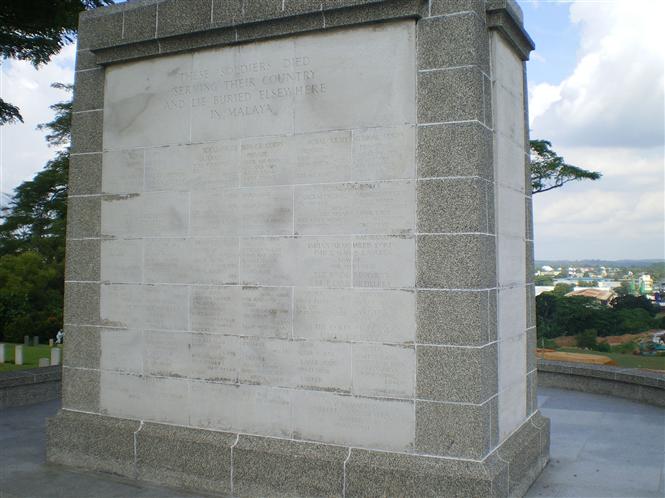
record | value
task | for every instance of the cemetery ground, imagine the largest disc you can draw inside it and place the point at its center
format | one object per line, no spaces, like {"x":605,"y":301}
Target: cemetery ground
{"x":31,"y":356}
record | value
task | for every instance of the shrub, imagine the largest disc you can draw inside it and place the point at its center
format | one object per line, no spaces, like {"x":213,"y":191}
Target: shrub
{"x":587,"y":339}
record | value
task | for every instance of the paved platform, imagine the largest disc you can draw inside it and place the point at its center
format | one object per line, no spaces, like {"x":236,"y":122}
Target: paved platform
{"x":601,"y":447}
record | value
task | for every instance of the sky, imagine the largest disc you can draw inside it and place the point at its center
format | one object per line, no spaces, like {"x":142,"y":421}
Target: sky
{"x":596,"y":90}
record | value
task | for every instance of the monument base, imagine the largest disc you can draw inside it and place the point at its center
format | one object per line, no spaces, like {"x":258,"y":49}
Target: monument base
{"x":242,"y":465}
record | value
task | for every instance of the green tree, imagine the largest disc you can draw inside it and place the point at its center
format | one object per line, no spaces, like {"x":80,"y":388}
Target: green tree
{"x":629,"y":301}
{"x":32,"y":244}
{"x":562,"y":289}
{"x":550,"y":171}
{"x":36,"y":30}
{"x":587,"y":339}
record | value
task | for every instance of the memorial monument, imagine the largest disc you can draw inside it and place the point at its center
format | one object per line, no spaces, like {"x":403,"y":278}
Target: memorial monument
{"x":299,"y":252}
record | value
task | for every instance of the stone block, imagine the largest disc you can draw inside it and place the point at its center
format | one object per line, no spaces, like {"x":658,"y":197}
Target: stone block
{"x":453,"y":430}
{"x":87,"y":131}
{"x":381,"y":474}
{"x":451,"y":41}
{"x":123,"y":53}
{"x":531,"y":392}
{"x":280,"y":27}
{"x":81,"y":303}
{"x":197,"y":40}
{"x":529,"y":269}
{"x":82,"y":260}
{"x":99,"y":30}
{"x":531,"y":345}
{"x":227,"y":12}
{"x":83,"y":217}
{"x":80,"y":389}
{"x":445,"y":7}
{"x":453,"y":205}
{"x":140,"y":23}
{"x":274,"y":467}
{"x":89,"y":90}
{"x":266,"y":9}
{"x":465,"y":261}
{"x":451,"y":95}
{"x":373,"y":11}
{"x":183,"y":16}
{"x":455,"y":149}
{"x":528,"y":208}
{"x":83,"y":348}
{"x":92,"y":442}
{"x":530,"y":305}
{"x":454,"y":374}
{"x":85,"y":59}
{"x":85,"y":174}
{"x":184,"y":457}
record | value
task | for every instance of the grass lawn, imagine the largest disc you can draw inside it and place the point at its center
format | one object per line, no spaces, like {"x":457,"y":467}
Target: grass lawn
{"x":31,"y":355}
{"x":626,"y":360}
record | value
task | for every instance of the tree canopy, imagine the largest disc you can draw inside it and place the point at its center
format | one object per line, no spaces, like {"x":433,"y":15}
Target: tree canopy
{"x":32,"y":244}
{"x":36,"y":30}
{"x":550,"y":171}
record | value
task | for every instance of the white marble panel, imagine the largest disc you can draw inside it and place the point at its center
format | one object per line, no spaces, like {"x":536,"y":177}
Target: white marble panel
{"x":266,"y":211}
{"x":121,"y":350}
{"x":510,"y":212}
{"x":243,"y":91}
{"x":168,"y":168}
{"x":362,"y":422}
{"x":215,"y":213}
{"x":121,"y":216}
{"x":509,"y":115}
{"x":249,"y":409}
{"x":384,"y":262}
{"x":122,"y":172}
{"x":512,"y":361}
{"x":507,"y":67}
{"x":153,"y":399}
{"x":377,"y":63}
{"x":384,"y":370}
{"x":303,"y":261}
{"x":146,"y":103}
{"x":322,"y":157}
{"x":121,"y":260}
{"x":322,"y":261}
{"x":267,"y":161}
{"x":165,"y":214}
{"x":252,"y":311}
{"x":511,"y":265}
{"x":355,"y":315}
{"x":355,"y":208}
{"x":166,"y":353}
{"x":215,"y":357}
{"x":384,"y":153}
{"x":162,"y":307}
{"x":512,"y":409}
{"x":511,"y":311}
{"x":510,"y":161}
{"x":195,"y":261}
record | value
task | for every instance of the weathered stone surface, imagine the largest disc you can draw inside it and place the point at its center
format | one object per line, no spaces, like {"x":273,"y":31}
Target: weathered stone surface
{"x":184,"y":457}
{"x":274,"y":467}
{"x":81,"y":389}
{"x":82,"y":261}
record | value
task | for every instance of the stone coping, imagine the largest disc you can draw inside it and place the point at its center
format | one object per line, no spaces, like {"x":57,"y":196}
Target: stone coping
{"x":30,"y":376}
{"x":630,"y":383}
{"x":145,"y":28}
{"x":26,"y":387}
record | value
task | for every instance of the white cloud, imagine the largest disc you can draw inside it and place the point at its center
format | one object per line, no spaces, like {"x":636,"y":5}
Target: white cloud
{"x":614,"y":97}
{"x":23,"y":150}
{"x":606,"y":116}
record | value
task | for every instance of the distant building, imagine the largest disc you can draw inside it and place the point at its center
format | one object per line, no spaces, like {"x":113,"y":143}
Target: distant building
{"x":602,"y":295}
{"x":645,"y":283}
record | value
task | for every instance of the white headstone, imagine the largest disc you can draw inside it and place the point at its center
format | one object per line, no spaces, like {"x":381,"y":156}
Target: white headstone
{"x":55,"y":356}
{"x":18,"y":355}
{"x":2,"y":353}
